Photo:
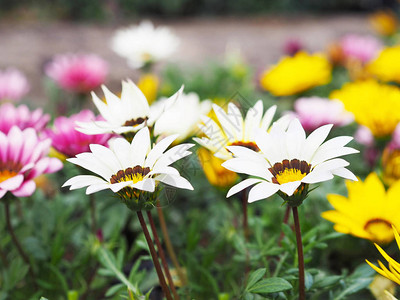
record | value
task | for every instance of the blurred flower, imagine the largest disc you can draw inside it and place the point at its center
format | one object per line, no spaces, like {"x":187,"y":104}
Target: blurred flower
{"x":79,"y":73}
{"x":384,"y":22}
{"x":362,"y":48}
{"x":216,"y":174}
{"x":13,"y":85}
{"x":233,"y":130}
{"x":288,"y":162}
{"x":364,"y":136}
{"x":386,"y":66}
{"x":296,"y":74}
{"x":22,"y":159}
{"x":374,"y":105}
{"x":391,"y":159}
{"x":381,"y":286}
{"x":144,"y":44}
{"x":292,"y":46}
{"x":124,"y":114}
{"x":148,"y":84}
{"x":393,"y":273}
{"x":182,"y":116}
{"x":21,"y":117}
{"x":368,"y":211}
{"x":314,"y":112}
{"x":335,"y":53}
{"x":131,"y":169}
{"x":70,"y":142}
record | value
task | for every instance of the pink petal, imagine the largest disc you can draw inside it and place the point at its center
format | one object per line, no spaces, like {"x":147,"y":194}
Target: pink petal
{"x":26,"y":189}
{"x":12,"y":183}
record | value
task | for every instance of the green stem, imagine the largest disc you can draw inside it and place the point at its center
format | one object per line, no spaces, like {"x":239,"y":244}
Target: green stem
{"x":245,"y":219}
{"x":162,"y":256}
{"x":154,"y":257}
{"x":93,"y":213}
{"x":302,"y":292}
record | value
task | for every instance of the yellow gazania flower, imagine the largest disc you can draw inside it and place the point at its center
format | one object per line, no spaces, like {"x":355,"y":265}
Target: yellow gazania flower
{"x":148,"y":84}
{"x":296,"y":74}
{"x":393,"y":273}
{"x":386,"y":66}
{"x":374,"y":105}
{"x":368,"y":212}
{"x":384,"y":22}
{"x":391,"y":165}
{"x":215,"y":173}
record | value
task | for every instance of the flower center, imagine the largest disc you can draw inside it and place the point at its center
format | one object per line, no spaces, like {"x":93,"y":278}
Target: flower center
{"x":250,"y":145}
{"x":135,"y":174}
{"x":6,"y":174}
{"x":135,"y":122}
{"x":380,"y":230}
{"x":289,"y":171}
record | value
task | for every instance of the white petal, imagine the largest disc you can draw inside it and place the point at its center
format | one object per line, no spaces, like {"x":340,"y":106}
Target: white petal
{"x":314,"y":140}
{"x":317,"y":176}
{"x":242,"y":185}
{"x":252,"y":121}
{"x":246,"y":166}
{"x":140,"y":146}
{"x":123,"y":150}
{"x":173,"y":180}
{"x":81,"y":181}
{"x":262,"y":190}
{"x":343,"y":172}
{"x":97,"y":187}
{"x":332,"y":164}
{"x":289,"y":187}
{"x":295,"y":139}
{"x":91,"y":163}
{"x":116,"y":187}
{"x":158,"y":150}
{"x":267,"y":119}
{"x":230,"y":124}
{"x":172,"y":155}
{"x":106,"y":156}
{"x":148,"y":185}
{"x":326,"y":154}
{"x":103,"y":108}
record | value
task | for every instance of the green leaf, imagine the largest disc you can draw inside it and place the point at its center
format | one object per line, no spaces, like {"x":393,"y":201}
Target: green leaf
{"x":114,"y":289}
{"x":270,"y":285}
{"x":255,"y":276}
{"x":43,"y":298}
{"x":358,"y":285}
{"x":327,"y":281}
{"x":308,"y":280}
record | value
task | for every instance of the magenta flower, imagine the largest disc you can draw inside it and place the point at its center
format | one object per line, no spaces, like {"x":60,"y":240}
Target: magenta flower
{"x":13,"y":85}
{"x":68,"y":141}
{"x":313,"y":112}
{"x":23,"y":157}
{"x":292,"y":46}
{"x":79,"y":73}
{"x":363,"y":48}
{"x":21,"y":117}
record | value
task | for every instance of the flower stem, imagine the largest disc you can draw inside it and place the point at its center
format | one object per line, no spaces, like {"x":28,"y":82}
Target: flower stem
{"x":245,"y":221}
{"x":93,"y":213}
{"x":302,"y":293}
{"x":162,"y":256}
{"x":285,"y":221}
{"x":154,"y":257}
{"x":16,"y":241}
{"x":168,"y":245}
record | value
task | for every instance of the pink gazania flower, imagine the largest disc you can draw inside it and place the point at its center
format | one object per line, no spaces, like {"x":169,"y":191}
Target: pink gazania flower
{"x":313,"y":112}
{"x":292,"y":46}
{"x":70,"y":142}
{"x":79,"y":73}
{"x":13,"y":85}
{"x":23,"y":157}
{"x":362,"y":48}
{"x":21,"y":117}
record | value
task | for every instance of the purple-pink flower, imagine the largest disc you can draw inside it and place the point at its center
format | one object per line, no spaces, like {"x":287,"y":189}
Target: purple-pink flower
{"x":313,"y":112}
{"x":13,"y":85}
{"x":79,"y":73}
{"x":70,"y":142}
{"x":21,"y":117}
{"x":23,"y":157}
{"x":362,"y":48}
{"x":292,"y":46}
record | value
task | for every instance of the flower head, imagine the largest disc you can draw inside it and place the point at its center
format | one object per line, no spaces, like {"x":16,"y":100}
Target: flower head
{"x":13,"y":85}
{"x":148,"y":84}
{"x":132,"y":170}
{"x":393,"y":273}
{"x":288,"y":162}
{"x":182,"y":116}
{"x":232,"y":129}
{"x":386,"y":66}
{"x":368,"y":211}
{"x":70,"y":142}
{"x":296,"y":74}
{"x":124,"y":114}
{"x":391,"y":159}
{"x":374,"y":105}
{"x":21,"y":117}
{"x":314,"y":112}
{"x":362,"y":48}
{"x":22,"y":159}
{"x":292,"y":46}
{"x":144,"y":44}
{"x":79,"y":73}
{"x":384,"y":22}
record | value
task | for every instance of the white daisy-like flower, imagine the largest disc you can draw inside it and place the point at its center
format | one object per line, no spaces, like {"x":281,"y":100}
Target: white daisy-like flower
{"x":130,"y":168}
{"x":288,"y":161}
{"x":234,"y":130}
{"x":182,"y":116}
{"x":144,"y":44}
{"x":124,"y":114}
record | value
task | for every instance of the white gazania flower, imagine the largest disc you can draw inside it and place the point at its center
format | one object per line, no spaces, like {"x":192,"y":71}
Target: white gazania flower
{"x":124,"y":114}
{"x":287,"y":159}
{"x":233,"y":130}
{"x":130,"y":168}
{"x":182,"y":116}
{"x":144,"y":44}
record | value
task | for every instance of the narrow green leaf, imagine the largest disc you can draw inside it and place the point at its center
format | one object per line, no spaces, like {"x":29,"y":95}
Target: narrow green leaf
{"x":270,"y":285}
{"x":255,"y":276}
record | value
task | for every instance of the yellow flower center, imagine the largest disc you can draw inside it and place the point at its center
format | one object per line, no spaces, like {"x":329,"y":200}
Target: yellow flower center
{"x":391,"y":166}
{"x":289,"y":171}
{"x":250,"y":145}
{"x":135,"y":174}
{"x":6,"y":174}
{"x":380,"y":230}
